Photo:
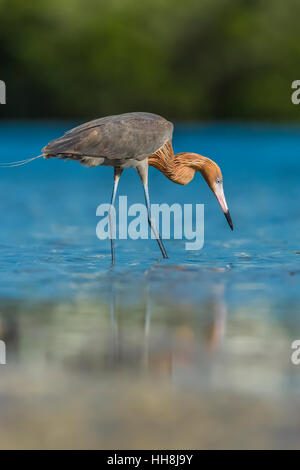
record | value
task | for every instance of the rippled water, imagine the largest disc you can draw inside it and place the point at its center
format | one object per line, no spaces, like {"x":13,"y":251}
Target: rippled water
{"x":190,"y":352}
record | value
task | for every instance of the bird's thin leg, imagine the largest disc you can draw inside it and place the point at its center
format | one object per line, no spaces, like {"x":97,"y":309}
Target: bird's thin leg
{"x":117,"y":174}
{"x":143,"y":172}
{"x":156,"y":234}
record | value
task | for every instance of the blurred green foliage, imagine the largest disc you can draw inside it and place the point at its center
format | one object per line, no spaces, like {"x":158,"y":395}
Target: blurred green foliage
{"x":187,"y":60}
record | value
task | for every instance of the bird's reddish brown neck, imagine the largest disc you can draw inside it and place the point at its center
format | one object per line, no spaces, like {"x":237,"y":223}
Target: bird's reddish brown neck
{"x":179,"y":168}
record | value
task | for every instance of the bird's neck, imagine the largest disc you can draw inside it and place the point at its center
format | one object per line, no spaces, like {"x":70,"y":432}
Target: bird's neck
{"x":179,"y":168}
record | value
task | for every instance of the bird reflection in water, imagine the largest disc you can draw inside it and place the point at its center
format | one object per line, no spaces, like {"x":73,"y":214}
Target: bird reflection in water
{"x":156,"y":345}
{"x":217,"y":329}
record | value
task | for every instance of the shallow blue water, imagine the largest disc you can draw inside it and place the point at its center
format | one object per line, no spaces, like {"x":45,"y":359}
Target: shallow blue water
{"x":48,"y":212}
{"x":239,"y":294}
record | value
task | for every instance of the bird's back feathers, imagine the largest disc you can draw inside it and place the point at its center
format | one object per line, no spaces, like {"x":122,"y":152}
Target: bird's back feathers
{"x":113,"y":139}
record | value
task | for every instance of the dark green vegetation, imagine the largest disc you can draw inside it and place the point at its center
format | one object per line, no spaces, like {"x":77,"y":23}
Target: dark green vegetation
{"x":188,"y":60}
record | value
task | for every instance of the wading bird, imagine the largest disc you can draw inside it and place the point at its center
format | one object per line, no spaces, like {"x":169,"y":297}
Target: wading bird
{"x":135,"y":140}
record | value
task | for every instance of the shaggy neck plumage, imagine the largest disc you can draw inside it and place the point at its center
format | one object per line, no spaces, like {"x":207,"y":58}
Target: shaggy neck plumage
{"x":179,"y":168}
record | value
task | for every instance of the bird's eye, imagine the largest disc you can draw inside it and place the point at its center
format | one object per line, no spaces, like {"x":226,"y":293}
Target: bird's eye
{"x":218,"y":181}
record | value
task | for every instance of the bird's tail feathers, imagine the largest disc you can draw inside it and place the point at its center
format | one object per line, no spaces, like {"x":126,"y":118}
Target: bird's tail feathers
{"x":19,"y":163}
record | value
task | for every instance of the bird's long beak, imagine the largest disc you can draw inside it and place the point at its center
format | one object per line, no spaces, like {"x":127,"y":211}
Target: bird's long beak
{"x":219,"y":193}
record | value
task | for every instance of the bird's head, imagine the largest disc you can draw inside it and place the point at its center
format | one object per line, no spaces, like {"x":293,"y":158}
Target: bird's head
{"x":181,"y":168}
{"x":213,"y":176}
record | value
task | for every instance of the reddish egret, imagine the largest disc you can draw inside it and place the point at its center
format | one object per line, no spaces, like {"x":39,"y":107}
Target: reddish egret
{"x":135,"y":140}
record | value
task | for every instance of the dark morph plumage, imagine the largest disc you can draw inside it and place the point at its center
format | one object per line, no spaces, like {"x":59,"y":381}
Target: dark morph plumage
{"x":122,"y":140}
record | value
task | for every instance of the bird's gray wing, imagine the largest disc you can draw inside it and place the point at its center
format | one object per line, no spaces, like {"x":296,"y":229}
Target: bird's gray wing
{"x":125,"y":136}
